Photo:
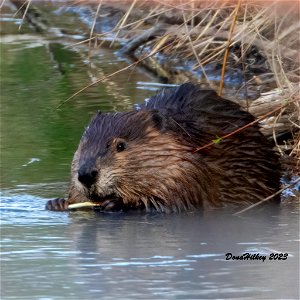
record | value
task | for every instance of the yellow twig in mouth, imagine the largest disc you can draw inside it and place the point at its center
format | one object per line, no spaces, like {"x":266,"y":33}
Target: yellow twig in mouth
{"x":83,"y":205}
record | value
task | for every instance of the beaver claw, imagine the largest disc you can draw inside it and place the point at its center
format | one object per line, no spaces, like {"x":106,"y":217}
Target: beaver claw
{"x":58,"y":204}
{"x":112,"y":205}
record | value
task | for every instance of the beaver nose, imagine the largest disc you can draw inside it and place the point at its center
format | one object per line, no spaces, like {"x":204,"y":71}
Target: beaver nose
{"x":87,"y":174}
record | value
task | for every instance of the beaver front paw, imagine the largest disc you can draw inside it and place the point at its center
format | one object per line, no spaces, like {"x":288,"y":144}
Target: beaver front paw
{"x":58,"y":204}
{"x":112,"y":205}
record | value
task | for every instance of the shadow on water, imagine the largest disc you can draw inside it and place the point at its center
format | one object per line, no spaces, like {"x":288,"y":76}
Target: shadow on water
{"x":88,"y":255}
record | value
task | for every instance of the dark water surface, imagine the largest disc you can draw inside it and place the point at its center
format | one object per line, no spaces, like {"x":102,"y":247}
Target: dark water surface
{"x":87,"y":255}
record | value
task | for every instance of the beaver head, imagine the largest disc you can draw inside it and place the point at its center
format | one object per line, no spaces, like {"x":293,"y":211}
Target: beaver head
{"x":139,"y":157}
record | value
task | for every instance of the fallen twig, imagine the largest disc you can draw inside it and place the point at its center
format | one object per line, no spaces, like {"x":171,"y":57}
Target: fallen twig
{"x":238,"y":130}
{"x":268,"y":198}
{"x":228,"y":46}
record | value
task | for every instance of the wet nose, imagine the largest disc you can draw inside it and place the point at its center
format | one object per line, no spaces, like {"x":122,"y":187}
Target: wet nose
{"x":87,"y":174}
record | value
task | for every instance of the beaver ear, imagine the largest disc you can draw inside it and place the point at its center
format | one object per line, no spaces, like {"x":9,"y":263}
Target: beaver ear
{"x":159,"y":120}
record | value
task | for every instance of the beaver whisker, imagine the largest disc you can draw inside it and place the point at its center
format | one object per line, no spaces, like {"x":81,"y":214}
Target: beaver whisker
{"x":145,"y":202}
{"x":157,"y":207}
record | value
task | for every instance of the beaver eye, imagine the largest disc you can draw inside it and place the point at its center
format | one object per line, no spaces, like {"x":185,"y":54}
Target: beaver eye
{"x":120,"y":146}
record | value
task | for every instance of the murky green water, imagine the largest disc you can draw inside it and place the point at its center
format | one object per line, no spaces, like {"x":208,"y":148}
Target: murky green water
{"x":85,"y":255}
{"x":38,"y":139}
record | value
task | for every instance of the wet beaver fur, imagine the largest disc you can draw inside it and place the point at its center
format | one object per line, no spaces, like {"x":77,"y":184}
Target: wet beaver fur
{"x":145,"y":159}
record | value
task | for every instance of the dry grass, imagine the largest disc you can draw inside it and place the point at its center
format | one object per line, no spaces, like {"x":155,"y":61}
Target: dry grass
{"x":208,"y":31}
{"x":231,"y":33}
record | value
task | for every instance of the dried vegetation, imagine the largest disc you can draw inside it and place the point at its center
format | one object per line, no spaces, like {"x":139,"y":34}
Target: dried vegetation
{"x":184,"y":40}
{"x":260,"y":39}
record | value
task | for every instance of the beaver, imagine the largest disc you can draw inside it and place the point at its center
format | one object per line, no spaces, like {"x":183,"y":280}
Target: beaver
{"x":146,"y":158}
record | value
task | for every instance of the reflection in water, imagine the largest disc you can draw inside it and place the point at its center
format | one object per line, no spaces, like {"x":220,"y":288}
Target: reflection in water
{"x":88,"y":255}
{"x":34,"y":81}
{"x":126,"y":256}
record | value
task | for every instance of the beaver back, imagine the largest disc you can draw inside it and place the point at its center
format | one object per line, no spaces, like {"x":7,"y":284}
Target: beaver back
{"x":147,"y":157}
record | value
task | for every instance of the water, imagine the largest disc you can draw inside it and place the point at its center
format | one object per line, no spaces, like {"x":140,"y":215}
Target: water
{"x":86,"y":255}
{"x":89,"y":255}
